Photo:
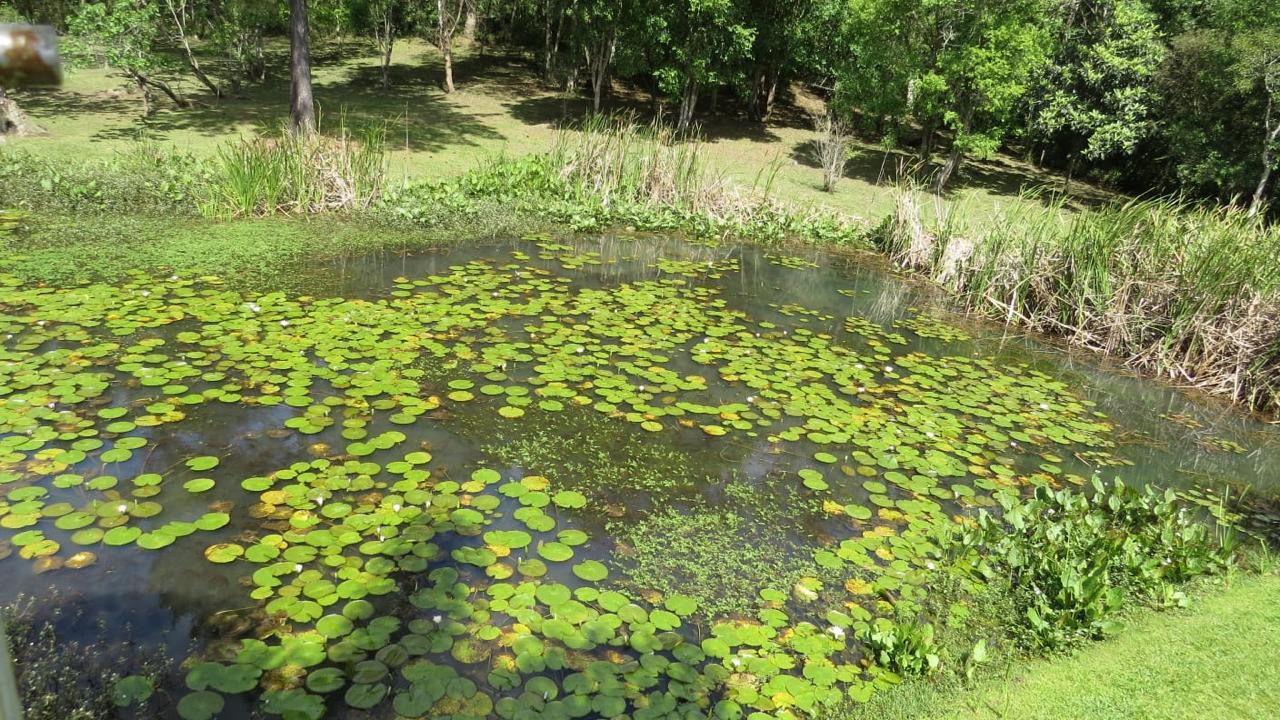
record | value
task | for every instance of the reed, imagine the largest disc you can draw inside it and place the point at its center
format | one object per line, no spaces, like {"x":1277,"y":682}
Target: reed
{"x":299,"y":174}
{"x":1184,"y":291}
{"x":625,"y":167}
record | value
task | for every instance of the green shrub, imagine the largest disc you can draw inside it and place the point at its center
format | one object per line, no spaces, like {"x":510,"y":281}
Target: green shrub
{"x":1073,"y":560}
{"x":907,"y":648}
{"x":143,"y":179}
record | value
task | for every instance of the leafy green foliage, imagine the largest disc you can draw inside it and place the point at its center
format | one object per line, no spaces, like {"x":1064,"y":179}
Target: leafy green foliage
{"x":1075,"y":559}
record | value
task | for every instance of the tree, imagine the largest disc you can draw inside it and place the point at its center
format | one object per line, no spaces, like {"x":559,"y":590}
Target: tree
{"x":385,"y":18}
{"x":302,"y":109}
{"x":178,"y":13}
{"x":123,"y":35}
{"x":1221,"y":129}
{"x":983,"y":55}
{"x":596,"y":29}
{"x":959,"y":65}
{"x":1256,"y":69}
{"x":236,"y":28}
{"x":779,"y":27}
{"x":695,"y":44}
{"x":449,"y":16}
{"x":1097,"y":96}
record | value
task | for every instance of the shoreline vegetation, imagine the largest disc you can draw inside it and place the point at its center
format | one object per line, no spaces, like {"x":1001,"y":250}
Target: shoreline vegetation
{"x":1171,"y":289}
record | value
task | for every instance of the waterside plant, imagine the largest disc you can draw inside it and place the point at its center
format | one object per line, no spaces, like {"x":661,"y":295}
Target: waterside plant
{"x":1189,"y":293}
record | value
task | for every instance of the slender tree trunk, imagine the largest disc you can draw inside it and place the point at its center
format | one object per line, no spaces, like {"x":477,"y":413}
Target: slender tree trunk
{"x":192,"y":62}
{"x":302,"y":108}
{"x":599,"y":59}
{"x":469,"y":26}
{"x":955,"y":156}
{"x":547,"y":51}
{"x":446,"y":28}
{"x":1268,"y":161}
{"x":447,"y":51}
{"x":688,"y":102}
{"x":948,"y":169}
{"x":926,"y":141}
{"x":386,"y":32}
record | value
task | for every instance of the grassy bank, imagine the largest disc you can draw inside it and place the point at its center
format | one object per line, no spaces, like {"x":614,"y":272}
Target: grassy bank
{"x":501,"y":107}
{"x":1187,"y":293}
{"x":1213,"y":661}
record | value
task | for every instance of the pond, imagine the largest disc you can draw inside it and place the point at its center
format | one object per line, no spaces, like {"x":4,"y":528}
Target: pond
{"x":543,"y":478}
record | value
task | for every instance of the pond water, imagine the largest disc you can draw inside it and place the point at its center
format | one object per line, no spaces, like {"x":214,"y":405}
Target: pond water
{"x":543,"y":478}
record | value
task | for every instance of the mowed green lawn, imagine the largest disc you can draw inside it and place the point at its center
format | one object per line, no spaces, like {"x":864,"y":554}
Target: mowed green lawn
{"x":1217,"y":660}
{"x":501,"y":107}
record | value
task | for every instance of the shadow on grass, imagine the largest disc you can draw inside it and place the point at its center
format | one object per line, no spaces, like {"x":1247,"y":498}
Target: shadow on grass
{"x":998,"y":175}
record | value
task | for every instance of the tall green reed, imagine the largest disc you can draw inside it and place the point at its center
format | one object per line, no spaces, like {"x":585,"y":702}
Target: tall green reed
{"x":1185,"y":291}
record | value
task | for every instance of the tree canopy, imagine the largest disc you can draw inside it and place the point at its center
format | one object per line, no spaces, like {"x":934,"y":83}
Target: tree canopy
{"x":1151,"y":96}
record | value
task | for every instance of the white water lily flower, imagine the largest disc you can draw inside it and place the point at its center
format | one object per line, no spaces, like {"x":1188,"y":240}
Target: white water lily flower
{"x":836,"y":631}
{"x":396,"y":507}
{"x":297,"y":567}
{"x":146,"y":293}
{"x":735,"y":662}
{"x":1044,"y":406}
{"x":284,"y":323}
{"x":436,"y":619}
{"x":122,"y":507}
{"x":888,"y":368}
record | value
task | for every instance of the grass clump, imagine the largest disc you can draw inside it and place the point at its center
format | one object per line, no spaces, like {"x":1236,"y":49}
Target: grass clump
{"x":614,"y":173}
{"x":1185,"y":292}
{"x":301,"y":173}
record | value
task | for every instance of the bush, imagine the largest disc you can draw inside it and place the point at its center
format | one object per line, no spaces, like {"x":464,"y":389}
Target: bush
{"x":1073,"y":560}
{"x":144,"y":179}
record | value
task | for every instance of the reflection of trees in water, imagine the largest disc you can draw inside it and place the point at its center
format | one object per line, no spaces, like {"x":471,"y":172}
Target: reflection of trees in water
{"x":71,"y":647}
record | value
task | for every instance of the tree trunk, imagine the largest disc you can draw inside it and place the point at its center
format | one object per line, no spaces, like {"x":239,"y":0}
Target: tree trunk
{"x":444,"y":35}
{"x":192,"y":62}
{"x":547,"y":46}
{"x":599,"y":59}
{"x":764,"y":88}
{"x":447,"y":51}
{"x":688,"y":102}
{"x":1268,"y":162}
{"x":469,"y":27}
{"x":13,"y":121}
{"x":302,"y":108}
{"x":955,"y":156}
{"x":948,"y":169}
{"x":387,"y":40}
{"x":926,"y":141}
